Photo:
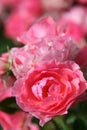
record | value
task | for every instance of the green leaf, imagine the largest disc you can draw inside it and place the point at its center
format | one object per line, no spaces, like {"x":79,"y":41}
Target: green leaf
{"x":5,"y":42}
{"x":9,"y":105}
{"x":79,"y":125}
{"x":83,"y":107}
{"x":60,"y":123}
{"x":1,"y":128}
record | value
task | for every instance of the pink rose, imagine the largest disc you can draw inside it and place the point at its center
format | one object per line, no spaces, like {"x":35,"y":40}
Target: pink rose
{"x":16,"y":121}
{"x":45,"y":26}
{"x":50,"y":90}
{"x":40,"y":53}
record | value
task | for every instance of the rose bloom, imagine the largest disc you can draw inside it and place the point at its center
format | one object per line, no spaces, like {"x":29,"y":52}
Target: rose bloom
{"x":49,"y":91}
{"x":40,"y":53}
{"x":47,"y":28}
{"x":16,"y":121}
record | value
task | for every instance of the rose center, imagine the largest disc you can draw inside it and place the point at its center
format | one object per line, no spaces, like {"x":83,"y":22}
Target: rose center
{"x":45,"y":87}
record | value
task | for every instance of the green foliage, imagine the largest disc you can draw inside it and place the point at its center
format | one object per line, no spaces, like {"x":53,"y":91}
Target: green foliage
{"x":9,"y":105}
{"x":79,"y":124}
{"x":1,"y":128}
{"x":5,"y":42}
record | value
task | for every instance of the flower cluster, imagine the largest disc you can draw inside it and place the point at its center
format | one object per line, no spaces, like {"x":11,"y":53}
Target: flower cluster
{"x":47,"y":75}
{"x":18,"y":15}
{"x":46,"y":81}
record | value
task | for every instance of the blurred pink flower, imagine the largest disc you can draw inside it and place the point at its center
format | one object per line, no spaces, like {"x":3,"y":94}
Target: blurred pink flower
{"x":5,"y":7}
{"x":48,"y":5}
{"x":16,"y":121}
{"x":50,"y":90}
{"x":24,"y":14}
{"x":8,"y":2}
{"x":82,"y":1}
{"x":73,"y":30}
{"x":48,"y":28}
{"x":43,"y":28}
{"x":75,"y":22}
{"x":81,"y":59}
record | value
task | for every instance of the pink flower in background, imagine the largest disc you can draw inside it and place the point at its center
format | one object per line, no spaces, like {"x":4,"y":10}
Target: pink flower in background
{"x":75,"y":14}
{"x":73,"y":30}
{"x":48,"y":5}
{"x":49,"y":32}
{"x":82,"y":1}
{"x":24,"y":14}
{"x":50,"y":90}
{"x":85,"y":22}
{"x":16,"y":24}
{"x":8,"y":2}
{"x":75,"y":22}
{"x":81,"y":59}
{"x":16,"y":121}
{"x":41,"y":29}
{"x":48,"y":28}
{"x":6,"y":83}
{"x":7,"y":6}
